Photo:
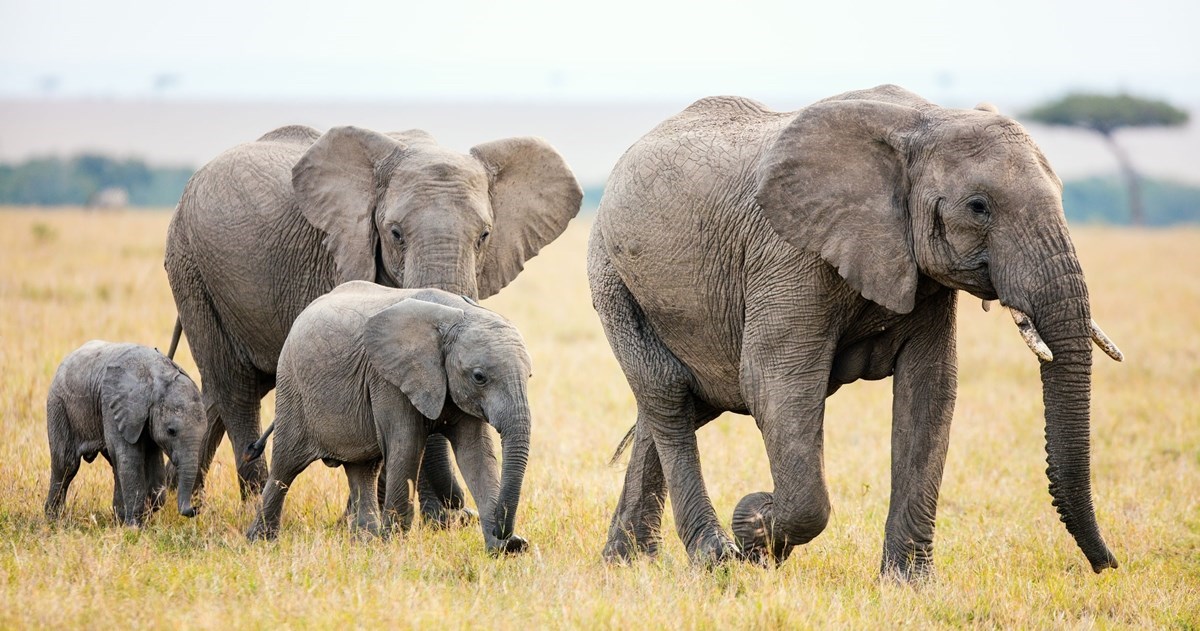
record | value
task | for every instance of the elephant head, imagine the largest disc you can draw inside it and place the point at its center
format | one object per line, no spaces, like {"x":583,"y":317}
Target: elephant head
{"x":159,"y":395}
{"x":887,"y":187}
{"x":399,"y":210}
{"x":477,"y":358}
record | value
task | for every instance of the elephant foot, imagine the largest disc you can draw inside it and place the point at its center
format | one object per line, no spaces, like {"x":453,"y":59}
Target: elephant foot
{"x":262,"y":532}
{"x":624,"y":545}
{"x":713,"y":548}
{"x":911,"y":564}
{"x":515,"y":544}
{"x":752,"y":528}
{"x":251,"y":478}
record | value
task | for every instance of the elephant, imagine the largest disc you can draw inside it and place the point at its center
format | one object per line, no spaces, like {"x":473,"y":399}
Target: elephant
{"x":369,"y":372}
{"x":130,"y":404}
{"x":268,"y":226}
{"x":755,"y":261}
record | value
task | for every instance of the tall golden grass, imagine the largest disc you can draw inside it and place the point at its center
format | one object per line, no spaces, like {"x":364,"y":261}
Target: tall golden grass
{"x":1002,"y":557}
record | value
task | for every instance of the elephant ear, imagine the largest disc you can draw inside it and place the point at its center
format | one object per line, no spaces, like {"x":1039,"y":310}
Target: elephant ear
{"x":834,"y":183}
{"x":126,"y":393}
{"x":337,"y":185}
{"x":533,"y":195}
{"x":404,"y":343}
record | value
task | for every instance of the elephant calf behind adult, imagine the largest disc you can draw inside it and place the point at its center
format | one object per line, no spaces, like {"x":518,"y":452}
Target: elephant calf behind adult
{"x":268,"y":226}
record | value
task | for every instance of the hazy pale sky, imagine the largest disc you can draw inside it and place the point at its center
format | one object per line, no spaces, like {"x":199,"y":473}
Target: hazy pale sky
{"x":1013,"y":51}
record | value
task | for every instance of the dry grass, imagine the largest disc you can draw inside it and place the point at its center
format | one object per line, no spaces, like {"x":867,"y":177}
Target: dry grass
{"x":1003,"y":559}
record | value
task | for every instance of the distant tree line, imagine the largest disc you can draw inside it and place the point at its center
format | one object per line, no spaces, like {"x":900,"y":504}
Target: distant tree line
{"x":75,"y":181}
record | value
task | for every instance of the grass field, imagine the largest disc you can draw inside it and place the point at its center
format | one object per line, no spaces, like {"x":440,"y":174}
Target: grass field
{"x":1003,"y":558}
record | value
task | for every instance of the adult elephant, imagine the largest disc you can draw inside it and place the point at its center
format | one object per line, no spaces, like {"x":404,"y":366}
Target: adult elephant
{"x":268,"y":226}
{"x":754,"y":261}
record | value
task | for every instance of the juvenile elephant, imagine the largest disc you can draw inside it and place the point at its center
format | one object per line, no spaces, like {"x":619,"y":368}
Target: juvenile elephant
{"x":368,"y":372}
{"x":129,"y":404}
{"x":268,"y":226}
{"x":755,"y":261}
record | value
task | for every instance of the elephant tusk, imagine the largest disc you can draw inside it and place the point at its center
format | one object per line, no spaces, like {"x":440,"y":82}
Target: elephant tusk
{"x":1105,"y":344}
{"x":987,"y":305}
{"x":1029,"y":333}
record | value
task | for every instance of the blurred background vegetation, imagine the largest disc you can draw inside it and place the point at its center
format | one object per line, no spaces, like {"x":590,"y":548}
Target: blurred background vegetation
{"x":97,"y":180}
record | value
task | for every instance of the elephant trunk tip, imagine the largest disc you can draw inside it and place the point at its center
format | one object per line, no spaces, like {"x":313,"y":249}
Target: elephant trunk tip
{"x":187,"y":510}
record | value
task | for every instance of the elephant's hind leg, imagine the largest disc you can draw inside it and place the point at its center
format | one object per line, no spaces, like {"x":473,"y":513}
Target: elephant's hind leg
{"x":64,"y":459}
{"x":668,"y":415}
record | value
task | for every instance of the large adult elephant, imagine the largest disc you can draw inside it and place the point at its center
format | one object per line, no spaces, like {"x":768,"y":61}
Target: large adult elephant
{"x":268,"y":226}
{"x":754,"y":261}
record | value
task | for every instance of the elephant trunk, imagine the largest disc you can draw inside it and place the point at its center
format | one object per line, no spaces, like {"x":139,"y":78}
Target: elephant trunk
{"x":514,"y":445}
{"x":442,"y":264}
{"x":187,"y":470}
{"x":1057,"y":299}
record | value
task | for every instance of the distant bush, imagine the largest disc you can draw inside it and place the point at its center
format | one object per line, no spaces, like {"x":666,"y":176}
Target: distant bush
{"x":1104,"y":200}
{"x":74,"y":181}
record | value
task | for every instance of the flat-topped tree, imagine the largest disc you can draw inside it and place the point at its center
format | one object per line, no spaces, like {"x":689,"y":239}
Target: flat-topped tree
{"x":1105,"y":114}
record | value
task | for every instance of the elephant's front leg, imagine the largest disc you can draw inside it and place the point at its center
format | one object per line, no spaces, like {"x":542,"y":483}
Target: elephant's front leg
{"x":442,"y":499}
{"x":129,"y":461}
{"x":923,"y":389}
{"x":156,"y":479}
{"x":403,"y":464}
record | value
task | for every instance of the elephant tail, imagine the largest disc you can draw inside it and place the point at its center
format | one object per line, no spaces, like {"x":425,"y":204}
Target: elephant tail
{"x":255,"y":450}
{"x":175,"y":338}
{"x":624,"y":444}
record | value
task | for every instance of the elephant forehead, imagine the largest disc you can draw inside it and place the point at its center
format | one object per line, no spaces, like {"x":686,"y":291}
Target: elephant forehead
{"x":438,"y":163}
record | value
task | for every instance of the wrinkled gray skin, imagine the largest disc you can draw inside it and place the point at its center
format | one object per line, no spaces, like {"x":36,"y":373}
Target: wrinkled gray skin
{"x":369,"y":372}
{"x":268,"y":226}
{"x":130,"y":404}
{"x":755,"y":261}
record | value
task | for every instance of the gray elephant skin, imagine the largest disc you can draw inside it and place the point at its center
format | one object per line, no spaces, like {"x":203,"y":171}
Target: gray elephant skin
{"x":368,"y":372}
{"x":268,"y":226}
{"x":755,"y":261}
{"x":130,"y":404}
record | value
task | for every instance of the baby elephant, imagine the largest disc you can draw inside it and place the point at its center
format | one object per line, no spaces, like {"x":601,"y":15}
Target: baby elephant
{"x":130,"y":404}
{"x":368,"y":372}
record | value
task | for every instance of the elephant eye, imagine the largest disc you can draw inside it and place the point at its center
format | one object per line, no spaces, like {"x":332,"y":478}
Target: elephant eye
{"x":397,"y":235}
{"x":478,"y":377}
{"x":483,"y":237}
{"x":171,"y":431}
{"x":979,"y":206}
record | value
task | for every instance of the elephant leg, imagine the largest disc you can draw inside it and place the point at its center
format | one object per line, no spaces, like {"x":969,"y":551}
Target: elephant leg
{"x":363,"y":478}
{"x":789,"y":407}
{"x":403,"y":465}
{"x":131,"y":473}
{"x":665,"y":452}
{"x":156,"y":479}
{"x":924,"y":387}
{"x":442,"y":498}
{"x":233,"y":388}
{"x":287,"y":464}
{"x":635,"y":525}
{"x":64,"y":459}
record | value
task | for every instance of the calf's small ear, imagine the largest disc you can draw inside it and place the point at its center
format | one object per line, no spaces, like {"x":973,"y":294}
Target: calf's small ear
{"x":126,"y":394}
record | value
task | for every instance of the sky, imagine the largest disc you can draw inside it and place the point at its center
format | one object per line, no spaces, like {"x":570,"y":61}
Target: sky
{"x":616,"y":50}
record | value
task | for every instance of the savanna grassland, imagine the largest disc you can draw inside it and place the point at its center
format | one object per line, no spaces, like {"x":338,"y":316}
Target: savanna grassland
{"x":1002,"y":557}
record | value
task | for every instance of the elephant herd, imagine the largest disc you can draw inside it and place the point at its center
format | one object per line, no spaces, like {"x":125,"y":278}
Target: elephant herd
{"x":741,"y":260}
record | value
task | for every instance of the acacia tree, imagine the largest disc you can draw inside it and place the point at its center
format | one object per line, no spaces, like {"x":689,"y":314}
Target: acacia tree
{"x":1104,"y":115}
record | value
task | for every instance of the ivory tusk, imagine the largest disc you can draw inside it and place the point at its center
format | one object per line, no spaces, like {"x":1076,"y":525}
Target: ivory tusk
{"x":987,"y":305}
{"x":1032,"y":338}
{"x":1104,"y":343}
